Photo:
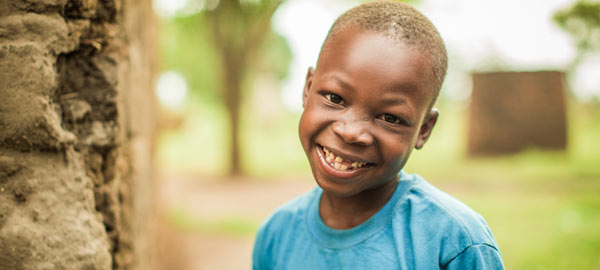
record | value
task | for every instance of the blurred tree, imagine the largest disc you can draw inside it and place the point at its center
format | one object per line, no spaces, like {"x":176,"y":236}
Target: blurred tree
{"x":582,"y":22}
{"x":238,"y":29}
{"x":223,"y":47}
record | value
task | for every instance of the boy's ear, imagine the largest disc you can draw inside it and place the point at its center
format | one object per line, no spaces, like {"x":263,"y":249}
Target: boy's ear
{"x":307,"y":84}
{"x":427,"y":127}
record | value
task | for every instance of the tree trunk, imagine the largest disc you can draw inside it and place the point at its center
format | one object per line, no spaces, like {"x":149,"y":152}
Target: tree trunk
{"x":237,"y":33}
{"x":232,"y":101}
{"x":75,"y":134}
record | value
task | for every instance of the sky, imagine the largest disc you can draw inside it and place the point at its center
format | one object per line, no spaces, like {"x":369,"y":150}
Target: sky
{"x":479,"y":34}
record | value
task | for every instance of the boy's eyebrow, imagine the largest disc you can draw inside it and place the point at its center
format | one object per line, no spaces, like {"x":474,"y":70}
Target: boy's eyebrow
{"x":386,"y":101}
{"x":342,"y":83}
{"x":393,"y":101}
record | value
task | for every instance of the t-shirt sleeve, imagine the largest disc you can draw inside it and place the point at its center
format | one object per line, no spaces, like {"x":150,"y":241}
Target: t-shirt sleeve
{"x":477,"y":257}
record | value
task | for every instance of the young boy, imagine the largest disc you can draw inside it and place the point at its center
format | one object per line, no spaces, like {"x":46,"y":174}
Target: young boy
{"x":367,"y":104}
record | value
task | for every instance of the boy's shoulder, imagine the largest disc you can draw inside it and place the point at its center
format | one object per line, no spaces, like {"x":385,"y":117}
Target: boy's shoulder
{"x":426,"y":202}
{"x":432,"y":214}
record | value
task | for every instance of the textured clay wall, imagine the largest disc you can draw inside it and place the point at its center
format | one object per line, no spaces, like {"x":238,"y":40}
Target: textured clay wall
{"x":513,"y":111}
{"x":75,"y":134}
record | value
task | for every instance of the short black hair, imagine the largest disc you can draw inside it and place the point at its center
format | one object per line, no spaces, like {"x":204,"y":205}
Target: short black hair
{"x":400,"y":22}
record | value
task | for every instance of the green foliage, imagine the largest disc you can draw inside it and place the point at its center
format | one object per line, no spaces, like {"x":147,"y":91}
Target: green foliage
{"x":276,"y":56}
{"x":582,"y":22}
{"x":185,"y":47}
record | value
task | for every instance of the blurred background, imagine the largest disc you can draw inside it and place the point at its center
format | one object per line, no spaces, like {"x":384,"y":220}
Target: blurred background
{"x":518,"y":138}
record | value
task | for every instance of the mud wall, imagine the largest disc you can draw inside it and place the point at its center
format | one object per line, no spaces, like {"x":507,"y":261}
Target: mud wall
{"x":513,"y":111}
{"x":76,"y":125}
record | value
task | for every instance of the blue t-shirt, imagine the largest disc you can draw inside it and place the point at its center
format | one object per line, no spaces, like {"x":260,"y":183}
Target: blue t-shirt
{"x":420,"y":228}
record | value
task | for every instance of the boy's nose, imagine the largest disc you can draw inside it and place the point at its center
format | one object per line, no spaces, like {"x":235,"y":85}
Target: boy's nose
{"x":353,"y":132}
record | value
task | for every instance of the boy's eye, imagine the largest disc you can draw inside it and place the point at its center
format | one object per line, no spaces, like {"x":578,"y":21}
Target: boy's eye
{"x":390,"y":118}
{"x":334,"y":98}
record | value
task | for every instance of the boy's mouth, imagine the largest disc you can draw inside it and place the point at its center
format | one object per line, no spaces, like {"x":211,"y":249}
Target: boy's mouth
{"x":342,"y":164}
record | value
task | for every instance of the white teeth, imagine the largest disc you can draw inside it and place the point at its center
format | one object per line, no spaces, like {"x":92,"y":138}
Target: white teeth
{"x":337,"y":162}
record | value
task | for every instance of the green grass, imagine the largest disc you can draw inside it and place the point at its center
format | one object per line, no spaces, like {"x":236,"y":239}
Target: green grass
{"x":233,"y":226}
{"x":198,"y":145}
{"x":542,"y":230}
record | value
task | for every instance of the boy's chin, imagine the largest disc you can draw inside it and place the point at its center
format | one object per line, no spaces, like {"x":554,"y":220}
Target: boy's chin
{"x":337,"y":190}
{"x":345,"y":188}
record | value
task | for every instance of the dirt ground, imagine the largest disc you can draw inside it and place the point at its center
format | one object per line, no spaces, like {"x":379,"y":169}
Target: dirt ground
{"x":214,"y":199}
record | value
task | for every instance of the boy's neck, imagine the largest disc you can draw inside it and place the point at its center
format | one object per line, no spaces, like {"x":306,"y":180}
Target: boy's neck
{"x":347,"y":212}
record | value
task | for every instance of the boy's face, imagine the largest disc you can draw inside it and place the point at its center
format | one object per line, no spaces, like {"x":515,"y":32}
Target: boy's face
{"x":365,"y":109}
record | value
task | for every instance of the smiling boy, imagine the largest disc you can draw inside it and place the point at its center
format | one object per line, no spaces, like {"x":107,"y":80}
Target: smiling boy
{"x":367,"y":104}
